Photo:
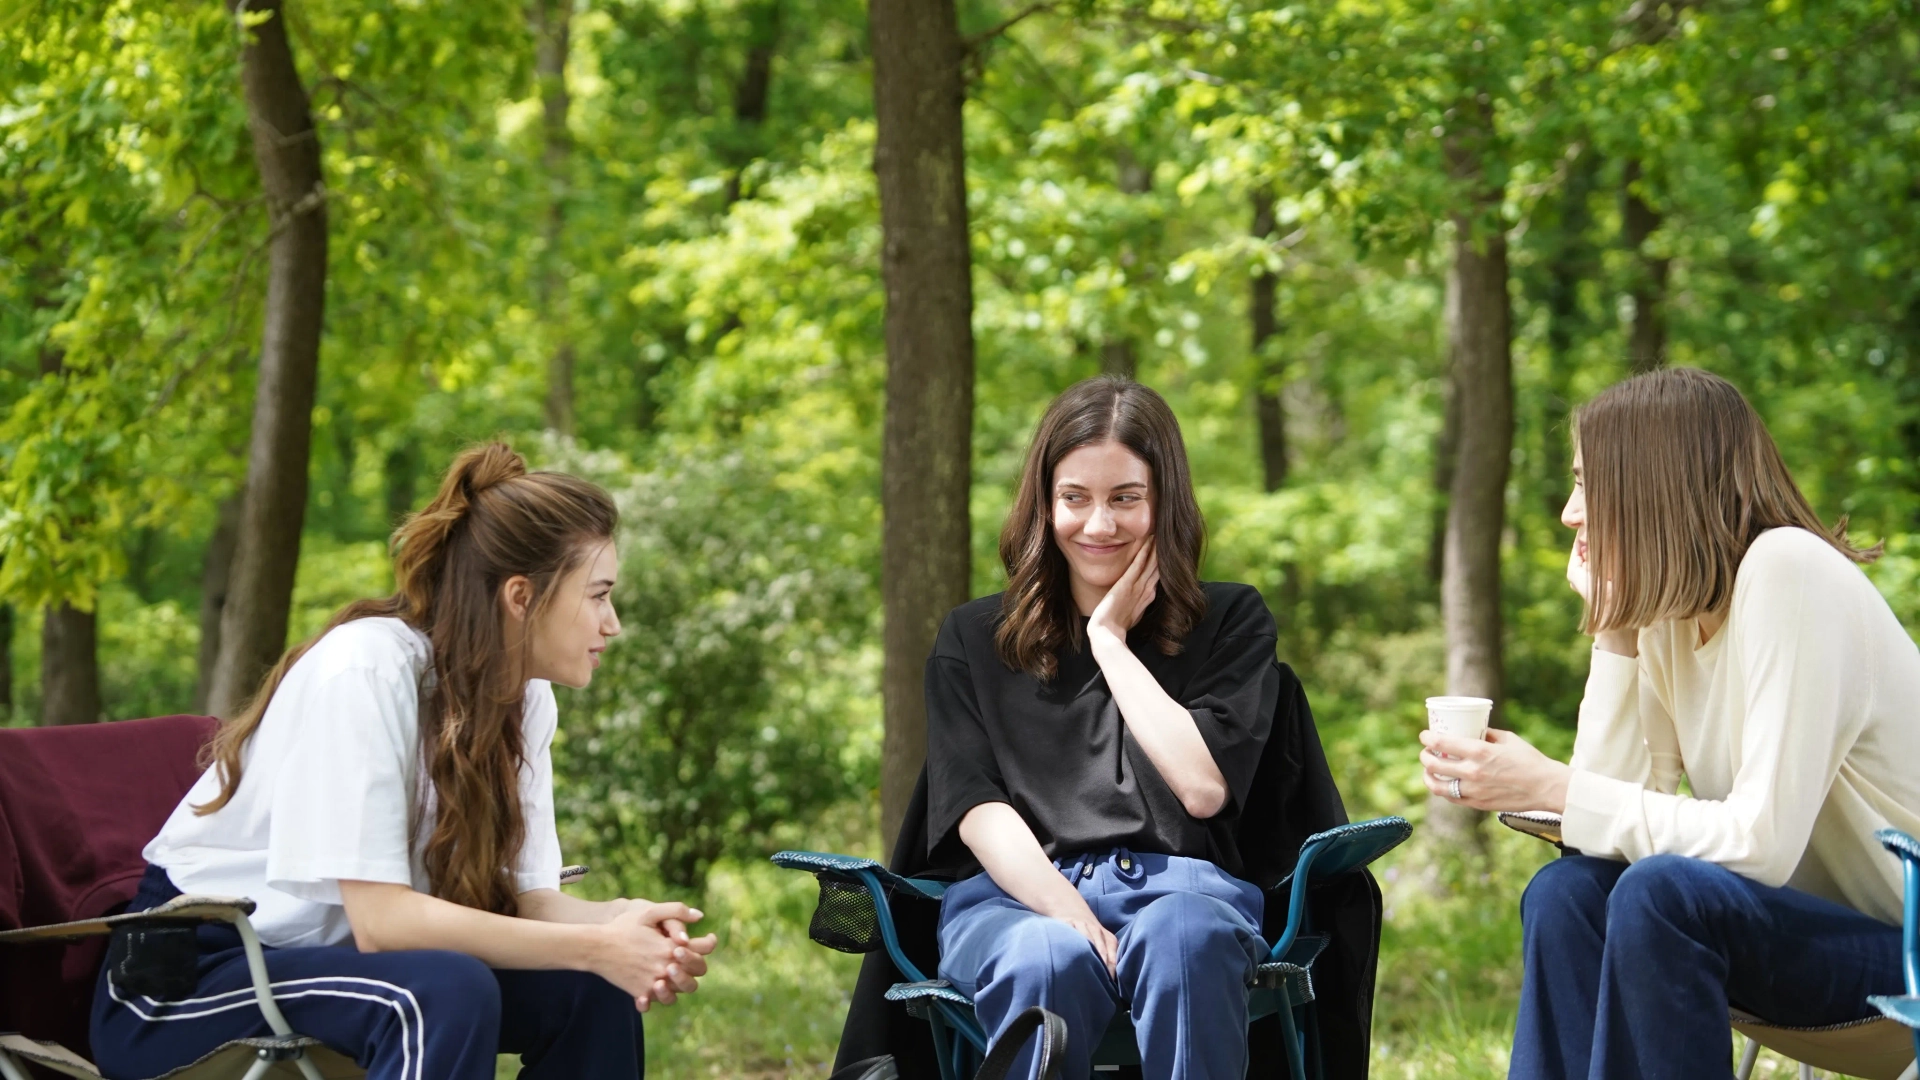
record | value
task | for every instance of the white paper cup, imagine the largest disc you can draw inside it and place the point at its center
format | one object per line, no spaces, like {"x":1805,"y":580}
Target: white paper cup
{"x":1459,"y":717}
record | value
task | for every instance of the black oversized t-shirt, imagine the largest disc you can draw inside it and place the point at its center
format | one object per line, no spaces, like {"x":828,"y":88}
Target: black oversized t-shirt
{"x":1059,"y":751}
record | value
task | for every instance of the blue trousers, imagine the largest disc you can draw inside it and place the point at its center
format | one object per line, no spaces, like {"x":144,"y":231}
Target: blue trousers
{"x":413,"y":1015}
{"x":1630,"y":969}
{"x":1189,"y":939}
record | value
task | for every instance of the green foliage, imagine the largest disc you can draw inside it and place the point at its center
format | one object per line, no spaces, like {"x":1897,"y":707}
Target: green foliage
{"x":725,"y":715}
{"x":719,"y":287}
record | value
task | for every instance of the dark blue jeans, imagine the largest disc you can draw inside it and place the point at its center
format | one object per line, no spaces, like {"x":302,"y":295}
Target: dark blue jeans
{"x":1630,"y":969}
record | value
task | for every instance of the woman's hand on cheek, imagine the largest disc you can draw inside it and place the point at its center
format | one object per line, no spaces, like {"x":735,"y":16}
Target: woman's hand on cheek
{"x":1129,"y":597}
{"x":1503,"y":773}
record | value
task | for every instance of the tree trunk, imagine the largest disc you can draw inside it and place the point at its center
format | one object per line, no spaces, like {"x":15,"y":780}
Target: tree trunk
{"x":926,"y":451}
{"x":1570,"y":263}
{"x":1119,"y":355}
{"x":253,"y":626}
{"x":1267,"y":370}
{"x":1479,"y":343}
{"x":1647,"y":338}
{"x":215,"y":571}
{"x":552,"y":28}
{"x":752,"y":94}
{"x":6,"y":663}
{"x":69,"y":667}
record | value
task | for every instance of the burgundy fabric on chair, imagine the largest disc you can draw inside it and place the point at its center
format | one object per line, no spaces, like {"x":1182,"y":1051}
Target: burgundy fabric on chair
{"x":76,"y":806}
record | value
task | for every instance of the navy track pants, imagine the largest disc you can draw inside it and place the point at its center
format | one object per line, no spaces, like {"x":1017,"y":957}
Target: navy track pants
{"x":414,"y":1015}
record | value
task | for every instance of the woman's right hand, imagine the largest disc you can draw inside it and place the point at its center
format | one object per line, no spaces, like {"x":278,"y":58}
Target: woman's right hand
{"x":1623,"y":642}
{"x":648,"y":954}
{"x":1105,"y":945}
{"x":1577,"y":574}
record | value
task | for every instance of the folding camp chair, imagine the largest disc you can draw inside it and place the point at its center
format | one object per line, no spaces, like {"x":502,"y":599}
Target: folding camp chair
{"x":1873,"y":1048}
{"x":1906,"y":1009}
{"x":854,"y":915}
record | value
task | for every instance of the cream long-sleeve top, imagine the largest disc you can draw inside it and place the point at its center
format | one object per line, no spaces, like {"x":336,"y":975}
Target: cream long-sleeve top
{"x":1797,"y":726}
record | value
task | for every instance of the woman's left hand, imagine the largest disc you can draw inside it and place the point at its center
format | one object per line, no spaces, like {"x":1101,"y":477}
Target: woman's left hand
{"x":1129,"y":597}
{"x":1503,"y":773}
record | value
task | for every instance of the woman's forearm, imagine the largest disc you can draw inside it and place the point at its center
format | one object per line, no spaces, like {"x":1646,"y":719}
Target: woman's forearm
{"x":554,"y":906}
{"x":388,"y":918}
{"x":1007,"y":849}
{"x":1162,"y":727}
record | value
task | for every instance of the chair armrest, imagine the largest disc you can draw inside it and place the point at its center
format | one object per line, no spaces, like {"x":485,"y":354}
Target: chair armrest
{"x":1540,"y":824}
{"x":1339,"y":850}
{"x":571,"y":875}
{"x":849,"y":867}
{"x":837,"y":872}
{"x":184,"y":909}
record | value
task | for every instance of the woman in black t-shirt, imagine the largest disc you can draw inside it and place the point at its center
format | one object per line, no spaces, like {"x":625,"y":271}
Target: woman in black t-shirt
{"x":1092,"y":733}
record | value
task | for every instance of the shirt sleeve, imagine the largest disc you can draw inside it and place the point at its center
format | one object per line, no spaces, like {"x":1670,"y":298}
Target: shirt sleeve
{"x":1796,"y":642}
{"x":962,"y":772}
{"x":539,"y":864}
{"x":1625,"y":731}
{"x":1233,"y":694}
{"x":341,"y":807}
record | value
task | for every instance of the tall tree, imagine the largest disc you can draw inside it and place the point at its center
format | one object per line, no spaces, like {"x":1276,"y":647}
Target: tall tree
{"x":69,"y":634}
{"x":1480,"y":373}
{"x":1119,"y":353}
{"x":1647,"y":338}
{"x":926,"y":443}
{"x":6,"y":662}
{"x":552,"y":29}
{"x":286,"y":150}
{"x":1264,"y":314}
{"x":215,"y":573}
{"x":69,"y":666}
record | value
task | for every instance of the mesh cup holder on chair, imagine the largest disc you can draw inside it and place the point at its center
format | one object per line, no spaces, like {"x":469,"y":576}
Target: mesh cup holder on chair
{"x":845,"y":919}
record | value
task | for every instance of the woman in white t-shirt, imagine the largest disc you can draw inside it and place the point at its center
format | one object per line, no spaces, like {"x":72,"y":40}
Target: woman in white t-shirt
{"x":387,"y":802}
{"x":1736,"y":642}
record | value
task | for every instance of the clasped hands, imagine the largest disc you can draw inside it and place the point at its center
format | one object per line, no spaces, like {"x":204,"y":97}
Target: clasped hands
{"x":649,"y":953}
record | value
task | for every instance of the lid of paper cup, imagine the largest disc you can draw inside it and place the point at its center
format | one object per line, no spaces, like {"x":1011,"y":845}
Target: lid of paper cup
{"x":1459,"y":703}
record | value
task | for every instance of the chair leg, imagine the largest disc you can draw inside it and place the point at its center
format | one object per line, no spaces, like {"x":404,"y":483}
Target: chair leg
{"x":11,"y":1069}
{"x":1289,"y":1031}
{"x":1806,"y":1071}
{"x":1747,"y":1058}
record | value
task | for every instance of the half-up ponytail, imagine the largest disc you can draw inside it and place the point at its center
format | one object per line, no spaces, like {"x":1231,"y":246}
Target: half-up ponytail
{"x":491,"y":520}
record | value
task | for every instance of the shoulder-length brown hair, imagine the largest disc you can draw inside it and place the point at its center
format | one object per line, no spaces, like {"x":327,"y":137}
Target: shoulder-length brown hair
{"x":1681,"y":477}
{"x":491,"y":520}
{"x":1037,"y":612}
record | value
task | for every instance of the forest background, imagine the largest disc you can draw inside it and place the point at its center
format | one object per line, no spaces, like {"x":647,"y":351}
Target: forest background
{"x":795,"y":278}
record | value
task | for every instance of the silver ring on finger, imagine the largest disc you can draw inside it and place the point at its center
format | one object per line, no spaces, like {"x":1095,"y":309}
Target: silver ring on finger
{"x":1455,"y":782}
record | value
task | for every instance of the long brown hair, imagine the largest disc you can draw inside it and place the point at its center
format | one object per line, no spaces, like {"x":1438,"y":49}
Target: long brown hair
{"x":491,"y":520}
{"x":1681,"y":477}
{"x":1037,"y":612}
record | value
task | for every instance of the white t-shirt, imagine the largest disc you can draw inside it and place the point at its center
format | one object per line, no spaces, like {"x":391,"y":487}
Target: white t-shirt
{"x":327,"y":784}
{"x":1795,"y":726}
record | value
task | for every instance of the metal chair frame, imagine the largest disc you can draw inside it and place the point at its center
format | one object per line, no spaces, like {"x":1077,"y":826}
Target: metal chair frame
{"x":1282,"y":984}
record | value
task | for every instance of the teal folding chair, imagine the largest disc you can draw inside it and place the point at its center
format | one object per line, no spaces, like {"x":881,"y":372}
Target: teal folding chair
{"x":854,"y":914}
{"x":1905,"y":1008}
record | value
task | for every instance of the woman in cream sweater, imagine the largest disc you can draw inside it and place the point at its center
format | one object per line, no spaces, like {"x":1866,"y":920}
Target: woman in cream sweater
{"x":1737,"y":643}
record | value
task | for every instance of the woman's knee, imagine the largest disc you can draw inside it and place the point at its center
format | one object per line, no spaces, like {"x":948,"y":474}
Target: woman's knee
{"x":1669,"y":889}
{"x":452,"y":983}
{"x":1574,"y":887}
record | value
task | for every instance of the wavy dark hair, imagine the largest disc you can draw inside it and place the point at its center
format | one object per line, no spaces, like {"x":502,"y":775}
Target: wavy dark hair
{"x":491,"y":520}
{"x":1037,"y":613}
